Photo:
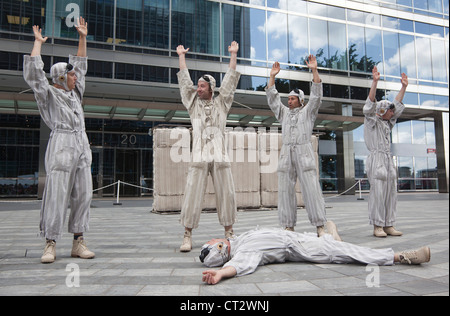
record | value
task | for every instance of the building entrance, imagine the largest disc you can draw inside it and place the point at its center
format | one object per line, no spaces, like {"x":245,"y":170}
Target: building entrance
{"x":127,"y":170}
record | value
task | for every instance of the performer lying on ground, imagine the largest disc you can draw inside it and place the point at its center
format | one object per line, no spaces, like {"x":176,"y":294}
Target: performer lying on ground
{"x":260,"y":246}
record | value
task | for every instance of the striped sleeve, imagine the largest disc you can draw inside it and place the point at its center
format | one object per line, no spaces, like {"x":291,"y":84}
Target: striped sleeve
{"x":245,"y":262}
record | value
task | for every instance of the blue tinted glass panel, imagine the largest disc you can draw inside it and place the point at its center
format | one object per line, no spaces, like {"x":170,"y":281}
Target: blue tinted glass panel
{"x":356,"y":48}
{"x":277,"y":37}
{"x":298,"y":39}
{"x":424,"y":65}
{"x":337,"y":46}
{"x":196,"y":24}
{"x":319,"y":42}
{"x":438,"y":61}
{"x":407,"y":55}
{"x":391,"y":54}
{"x":247,"y":26}
{"x":374,"y":48}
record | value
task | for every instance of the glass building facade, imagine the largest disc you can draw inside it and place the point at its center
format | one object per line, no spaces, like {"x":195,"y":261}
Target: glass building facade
{"x":132,"y":84}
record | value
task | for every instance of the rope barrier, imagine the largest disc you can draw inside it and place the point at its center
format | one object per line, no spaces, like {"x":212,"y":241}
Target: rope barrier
{"x":118,"y":189}
{"x":358,"y":182}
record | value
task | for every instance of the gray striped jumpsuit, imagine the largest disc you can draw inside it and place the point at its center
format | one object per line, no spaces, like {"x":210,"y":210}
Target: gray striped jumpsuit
{"x":262,"y":246}
{"x":297,"y":158}
{"x":68,"y":156}
{"x":380,"y":167}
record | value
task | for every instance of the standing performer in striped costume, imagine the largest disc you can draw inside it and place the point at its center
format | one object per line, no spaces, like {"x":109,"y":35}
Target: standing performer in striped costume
{"x":297,"y":154}
{"x":243,"y":254}
{"x":379,"y":120}
{"x":208,"y":116}
{"x":68,"y":156}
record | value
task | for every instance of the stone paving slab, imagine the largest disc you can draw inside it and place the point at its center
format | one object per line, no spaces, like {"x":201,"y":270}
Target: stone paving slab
{"x":137,"y":253}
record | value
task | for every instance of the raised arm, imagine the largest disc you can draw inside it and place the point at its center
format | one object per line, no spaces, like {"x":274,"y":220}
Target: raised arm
{"x":181,"y":51}
{"x":38,"y":41}
{"x":312,"y":64}
{"x":402,"y":91}
{"x":233,"y":50}
{"x":82,"y":31}
{"x":373,"y":89}
{"x":273,"y":73}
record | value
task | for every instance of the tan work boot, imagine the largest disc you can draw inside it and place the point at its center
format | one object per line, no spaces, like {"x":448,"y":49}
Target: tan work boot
{"x":378,"y":231}
{"x":49,"y":255}
{"x":186,"y":246}
{"x":332,"y":230}
{"x":79,"y":249}
{"x":417,"y":256}
{"x":320,"y":231}
{"x":291,"y":229}
{"x":390,"y":230}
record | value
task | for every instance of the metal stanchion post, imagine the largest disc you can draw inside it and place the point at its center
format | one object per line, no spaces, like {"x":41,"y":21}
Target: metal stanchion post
{"x":118,"y":193}
{"x":359,"y":185}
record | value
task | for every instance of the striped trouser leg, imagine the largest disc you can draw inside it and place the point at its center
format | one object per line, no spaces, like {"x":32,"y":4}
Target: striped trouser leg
{"x":225,"y":193}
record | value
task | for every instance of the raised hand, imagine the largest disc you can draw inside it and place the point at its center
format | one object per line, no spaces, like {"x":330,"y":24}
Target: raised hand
{"x":181,"y":50}
{"x":233,"y":48}
{"x":81,"y":27}
{"x":375,"y":74}
{"x":38,"y":34}
{"x":404,"y":80}
{"x":275,"y":69}
{"x":311,"y":62}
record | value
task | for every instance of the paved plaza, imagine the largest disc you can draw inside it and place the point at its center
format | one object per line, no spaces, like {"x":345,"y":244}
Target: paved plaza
{"x":137,"y":253}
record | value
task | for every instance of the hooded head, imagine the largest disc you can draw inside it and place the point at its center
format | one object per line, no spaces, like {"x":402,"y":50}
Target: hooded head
{"x":215,"y":253}
{"x":296,"y":93}
{"x":60,"y":73}
{"x":383,"y":108}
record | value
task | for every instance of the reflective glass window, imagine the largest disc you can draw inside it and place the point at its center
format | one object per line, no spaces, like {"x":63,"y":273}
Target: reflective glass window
{"x":373,"y":48}
{"x":391,"y":53}
{"x":438,"y":60}
{"x":298,"y":39}
{"x":66,"y":14}
{"x":196,"y":24}
{"x":20,"y":16}
{"x":357,"y":49}
{"x":278,"y":4}
{"x":430,"y":133}
{"x":424,"y":65}
{"x":403,"y":132}
{"x":247,"y":26}
{"x":406,"y":25}
{"x":319,"y":41}
{"x":441,"y":101}
{"x":337,"y":46}
{"x":405,"y":167}
{"x":100,"y":18}
{"x":156,"y":23}
{"x":277,"y":37}
{"x":129,"y":22}
{"x":411,"y":98}
{"x":355,"y":16}
{"x":407,"y":55}
{"x":435,"y":5}
{"x":418,"y":130}
{"x":298,"y":6}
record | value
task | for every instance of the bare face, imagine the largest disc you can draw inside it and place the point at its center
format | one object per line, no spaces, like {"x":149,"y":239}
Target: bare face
{"x":71,"y":80}
{"x":388,"y":115}
{"x":204,"y":91}
{"x":293,"y":102}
